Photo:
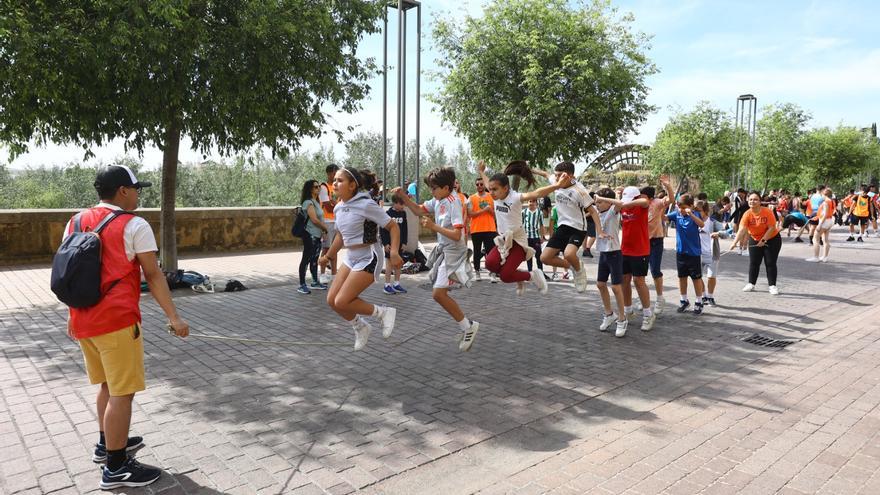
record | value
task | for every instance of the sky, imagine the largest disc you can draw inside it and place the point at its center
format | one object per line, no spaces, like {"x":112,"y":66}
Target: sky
{"x":821,"y":55}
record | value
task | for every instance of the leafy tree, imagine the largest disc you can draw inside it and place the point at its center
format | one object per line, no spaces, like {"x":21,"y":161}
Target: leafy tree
{"x":364,"y":150}
{"x":700,"y":145}
{"x":779,"y":145}
{"x":540,"y":79}
{"x":228,"y":75}
{"x":839,"y":156}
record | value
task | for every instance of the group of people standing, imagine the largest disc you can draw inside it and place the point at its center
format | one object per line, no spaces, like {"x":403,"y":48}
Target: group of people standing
{"x":508,"y":227}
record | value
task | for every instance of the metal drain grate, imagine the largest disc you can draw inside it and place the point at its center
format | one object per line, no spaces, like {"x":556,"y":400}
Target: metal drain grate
{"x":767,"y":341}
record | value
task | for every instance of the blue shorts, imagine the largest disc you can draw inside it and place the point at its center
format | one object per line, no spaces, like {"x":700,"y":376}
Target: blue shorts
{"x":610,"y":264}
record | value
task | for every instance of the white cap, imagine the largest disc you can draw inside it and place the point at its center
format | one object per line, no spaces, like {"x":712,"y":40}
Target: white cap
{"x":630,"y":193}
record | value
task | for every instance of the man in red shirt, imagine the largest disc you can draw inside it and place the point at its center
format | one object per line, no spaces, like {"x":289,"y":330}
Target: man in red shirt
{"x":109,"y":333}
{"x":636,"y":249}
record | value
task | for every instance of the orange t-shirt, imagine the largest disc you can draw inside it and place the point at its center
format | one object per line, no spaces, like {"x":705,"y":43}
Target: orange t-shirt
{"x":759,"y":224}
{"x":484,"y":222}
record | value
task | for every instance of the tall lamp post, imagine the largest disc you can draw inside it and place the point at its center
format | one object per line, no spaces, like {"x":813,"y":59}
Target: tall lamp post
{"x":746,"y":121}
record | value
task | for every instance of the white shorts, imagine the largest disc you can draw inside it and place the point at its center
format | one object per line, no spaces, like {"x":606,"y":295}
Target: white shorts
{"x":710,"y":268}
{"x":442,"y":281}
{"x":826,"y":224}
{"x":362,"y":259}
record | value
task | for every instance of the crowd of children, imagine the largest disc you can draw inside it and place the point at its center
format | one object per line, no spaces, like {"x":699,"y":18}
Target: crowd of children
{"x":509,"y":227}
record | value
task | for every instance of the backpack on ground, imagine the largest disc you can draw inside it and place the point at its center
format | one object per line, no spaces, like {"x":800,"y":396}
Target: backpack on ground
{"x":76,"y":266}
{"x":299,"y":224}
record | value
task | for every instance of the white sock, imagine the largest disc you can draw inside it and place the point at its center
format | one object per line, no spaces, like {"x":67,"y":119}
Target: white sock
{"x":683,"y":298}
{"x":387,"y":284}
{"x":711,"y":296}
{"x":627,"y":309}
{"x":464,"y":324}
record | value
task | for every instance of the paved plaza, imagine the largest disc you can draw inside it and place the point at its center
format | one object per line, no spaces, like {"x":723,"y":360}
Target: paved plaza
{"x":543,"y":403}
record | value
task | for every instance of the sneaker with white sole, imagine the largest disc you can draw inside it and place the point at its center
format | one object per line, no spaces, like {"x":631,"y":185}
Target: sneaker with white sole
{"x":469,"y":336}
{"x":823,"y":259}
{"x":539,"y":280}
{"x":648,"y":322}
{"x":493,"y":279}
{"x":620,"y":331}
{"x":399,"y":288}
{"x":607,"y":321}
{"x":580,"y":279}
{"x":812,"y":259}
{"x":387,"y":318}
{"x":131,"y":474}
{"x":362,"y":334}
{"x":774,"y":290}
{"x":389,"y":291}
{"x":658,"y":305}
{"x":748,"y":288}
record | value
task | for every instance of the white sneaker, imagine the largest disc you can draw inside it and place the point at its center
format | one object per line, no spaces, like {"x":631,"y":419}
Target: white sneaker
{"x":361,"y":334}
{"x":658,"y":305}
{"x":744,"y":252}
{"x":774,"y":290}
{"x":539,"y":280}
{"x":813,"y":259}
{"x":479,"y":277}
{"x":324,"y":278}
{"x":387,"y":318}
{"x":749,"y":288}
{"x":607,"y":320}
{"x":580,"y":279}
{"x":468,"y":338}
{"x":493,"y":278}
{"x":520,"y":288}
{"x":823,"y":259}
{"x":621,"y":328}
{"x":648,"y":323}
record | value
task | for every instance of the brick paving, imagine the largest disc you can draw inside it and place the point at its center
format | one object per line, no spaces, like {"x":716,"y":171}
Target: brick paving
{"x":544,"y":403}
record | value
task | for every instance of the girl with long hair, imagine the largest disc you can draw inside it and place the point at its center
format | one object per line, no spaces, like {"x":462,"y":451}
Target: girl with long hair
{"x":315,"y":228}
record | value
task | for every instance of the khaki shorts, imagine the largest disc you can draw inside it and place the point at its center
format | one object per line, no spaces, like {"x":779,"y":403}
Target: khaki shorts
{"x":116,"y":358}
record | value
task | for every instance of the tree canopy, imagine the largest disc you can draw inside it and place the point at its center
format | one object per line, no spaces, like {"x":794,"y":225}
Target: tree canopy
{"x":540,"y":79}
{"x":227,"y":75}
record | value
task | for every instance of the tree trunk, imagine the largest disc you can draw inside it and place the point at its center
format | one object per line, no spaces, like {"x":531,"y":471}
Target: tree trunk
{"x":167,"y":227}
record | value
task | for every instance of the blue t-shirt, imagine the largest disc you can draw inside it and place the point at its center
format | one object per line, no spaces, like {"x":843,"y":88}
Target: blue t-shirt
{"x":798,"y":215}
{"x":411,"y":189}
{"x":687,"y":234}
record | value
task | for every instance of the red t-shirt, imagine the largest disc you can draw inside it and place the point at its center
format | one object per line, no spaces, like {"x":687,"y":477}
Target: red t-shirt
{"x":634,"y":222}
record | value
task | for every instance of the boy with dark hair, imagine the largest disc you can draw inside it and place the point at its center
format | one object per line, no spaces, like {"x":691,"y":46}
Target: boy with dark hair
{"x":688,"y":251}
{"x":610,"y":265}
{"x":397,"y":213}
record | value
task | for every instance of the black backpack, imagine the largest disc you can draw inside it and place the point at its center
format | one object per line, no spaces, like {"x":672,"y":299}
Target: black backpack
{"x":299,"y":224}
{"x":76,"y":267}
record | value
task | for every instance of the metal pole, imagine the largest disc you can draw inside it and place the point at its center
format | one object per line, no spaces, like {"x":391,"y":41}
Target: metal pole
{"x":401,"y":94}
{"x":385,"y":102}
{"x":418,"y":92}
{"x":734,"y":177}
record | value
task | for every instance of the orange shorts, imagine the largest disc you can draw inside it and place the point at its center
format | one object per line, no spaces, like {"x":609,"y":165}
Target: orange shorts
{"x":116,"y":358}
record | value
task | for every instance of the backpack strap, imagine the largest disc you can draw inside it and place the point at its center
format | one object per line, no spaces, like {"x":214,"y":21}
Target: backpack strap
{"x":77,"y":223}
{"x":109,"y":218}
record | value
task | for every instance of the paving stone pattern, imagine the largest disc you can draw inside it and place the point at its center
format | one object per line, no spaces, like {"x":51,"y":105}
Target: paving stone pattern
{"x":544,"y":403}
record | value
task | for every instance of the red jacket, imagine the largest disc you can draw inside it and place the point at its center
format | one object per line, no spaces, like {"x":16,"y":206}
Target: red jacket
{"x":120,"y":306}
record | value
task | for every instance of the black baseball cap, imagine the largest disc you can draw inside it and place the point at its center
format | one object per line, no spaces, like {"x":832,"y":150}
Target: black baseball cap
{"x":118,"y":176}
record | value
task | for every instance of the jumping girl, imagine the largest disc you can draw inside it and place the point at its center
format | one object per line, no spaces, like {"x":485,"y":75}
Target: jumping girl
{"x":512,"y":245}
{"x":450,"y":259}
{"x":358,"y":219}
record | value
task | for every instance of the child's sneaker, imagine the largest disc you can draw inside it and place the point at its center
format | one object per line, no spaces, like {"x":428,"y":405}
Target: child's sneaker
{"x":387,"y":317}
{"x":362,"y":334}
{"x":399,"y":289}
{"x":539,"y":281}
{"x":620,"y":331}
{"x":711,"y":301}
{"x":469,"y":336}
{"x":683,"y":306}
{"x":607,"y":320}
{"x":698,"y":308}
{"x":318,"y":286}
{"x":304,"y":289}
{"x":658,"y":305}
{"x":132,"y":474}
{"x":389,"y":291}
{"x":648,"y":322}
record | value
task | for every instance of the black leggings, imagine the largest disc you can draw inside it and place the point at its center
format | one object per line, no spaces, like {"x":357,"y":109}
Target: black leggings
{"x":483,"y":243}
{"x":768,"y":253}
{"x":535,"y":243}
{"x":311,"y":250}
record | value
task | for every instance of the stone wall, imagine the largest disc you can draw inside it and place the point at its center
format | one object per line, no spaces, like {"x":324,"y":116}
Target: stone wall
{"x":32,"y":236}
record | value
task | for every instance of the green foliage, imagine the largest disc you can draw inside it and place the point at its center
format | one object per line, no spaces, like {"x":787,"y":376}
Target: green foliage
{"x":228,"y":75}
{"x":700,"y":144}
{"x":779,"y":146}
{"x":539,"y":79}
{"x":839,"y":157}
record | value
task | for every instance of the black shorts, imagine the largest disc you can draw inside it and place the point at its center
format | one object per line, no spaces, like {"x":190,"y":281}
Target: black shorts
{"x":856,"y":220}
{"x":610,"y":264}
{"x":637,"y":266}
{"x":591,"y":227}
{"x":688,"y":266}
{"x":564,"y":236}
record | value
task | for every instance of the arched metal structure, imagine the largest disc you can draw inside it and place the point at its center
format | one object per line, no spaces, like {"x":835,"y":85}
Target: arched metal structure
{"x":626,"y":157}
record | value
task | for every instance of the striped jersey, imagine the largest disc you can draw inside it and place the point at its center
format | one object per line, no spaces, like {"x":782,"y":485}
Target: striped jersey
{"x":531,"y":220}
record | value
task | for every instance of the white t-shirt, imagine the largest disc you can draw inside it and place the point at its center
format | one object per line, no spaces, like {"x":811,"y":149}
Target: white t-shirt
{"x":358,"y":220}
{"x":447,"y":214}
{"x":610,"y":219}
{"x":138,"y":236}
{"x":570,"y":205}
{"x":508,"y":212}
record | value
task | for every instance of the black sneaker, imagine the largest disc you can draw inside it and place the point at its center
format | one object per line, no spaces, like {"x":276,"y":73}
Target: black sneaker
{"x":798,"y":239}
{"x":683,"y":306}
{"x":711,"y":301}
{"x":705,"y":300}
{"x":850,"y":239}
{"x":860,"y":239}
{"x":100,"y":455}
{"x":132,"y":473}
{"x":698,"y":308}
{"x":587,"y":253}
